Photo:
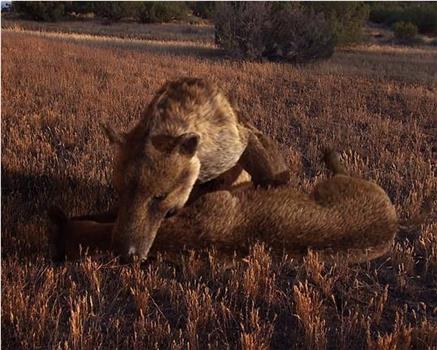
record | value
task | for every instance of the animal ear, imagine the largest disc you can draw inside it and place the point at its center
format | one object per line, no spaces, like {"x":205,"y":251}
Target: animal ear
{"x":113,"y":136}
{"x":188,"y":143}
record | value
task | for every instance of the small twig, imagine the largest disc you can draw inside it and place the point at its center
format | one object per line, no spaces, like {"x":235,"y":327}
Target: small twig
{"x":157,"y":307}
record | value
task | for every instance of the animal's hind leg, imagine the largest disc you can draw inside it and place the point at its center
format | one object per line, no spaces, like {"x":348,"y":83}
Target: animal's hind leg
{"x":223,"y":182}
{"x":263,"y":160}
{"x":335,"y":189}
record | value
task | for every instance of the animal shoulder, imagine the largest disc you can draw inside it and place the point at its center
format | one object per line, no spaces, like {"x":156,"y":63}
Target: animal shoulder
{"x":184,"y":93}
{"x":189,"y":104}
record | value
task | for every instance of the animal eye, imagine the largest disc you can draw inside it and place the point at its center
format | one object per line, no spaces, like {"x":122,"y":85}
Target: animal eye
{"x":160,"y":197}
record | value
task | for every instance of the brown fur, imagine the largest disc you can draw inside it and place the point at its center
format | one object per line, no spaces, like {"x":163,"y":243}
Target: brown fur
{"x":345,"y":215}
{"x":189,"y":134}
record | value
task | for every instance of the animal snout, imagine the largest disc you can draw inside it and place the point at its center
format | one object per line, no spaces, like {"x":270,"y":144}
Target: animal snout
{"x":131,"y":257}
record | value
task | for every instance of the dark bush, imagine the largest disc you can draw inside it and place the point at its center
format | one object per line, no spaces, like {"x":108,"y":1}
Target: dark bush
{"x":240,"y":27}
{"x":301,"y":36}
{"x":80,"y":7}
{"x":162,"y":11}
{"x":275,"y":31}
{"x":40,"y":10}
{"x":116,"y":10}
{"x":423,"y":15}
{"x":346,"y":18}
{"x":202,"y":9}
{"x":384,"y":13}
{"x":405,"y":31}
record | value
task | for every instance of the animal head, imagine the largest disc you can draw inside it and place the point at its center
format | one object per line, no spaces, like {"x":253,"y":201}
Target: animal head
{"x":154,"y":176}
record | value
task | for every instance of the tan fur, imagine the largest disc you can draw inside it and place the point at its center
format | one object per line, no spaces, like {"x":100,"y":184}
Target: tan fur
{"x":344,"y":215}
{"x":189,"y":134}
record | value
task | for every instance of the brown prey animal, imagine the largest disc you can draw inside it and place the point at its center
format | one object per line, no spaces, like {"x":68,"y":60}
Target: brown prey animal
{"x":343,"y":215}
{"x":188,"y":136}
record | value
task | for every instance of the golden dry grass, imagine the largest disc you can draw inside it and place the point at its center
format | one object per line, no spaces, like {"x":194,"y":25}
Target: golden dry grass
{"x":376,"y":105}
{"x":129,"y":30}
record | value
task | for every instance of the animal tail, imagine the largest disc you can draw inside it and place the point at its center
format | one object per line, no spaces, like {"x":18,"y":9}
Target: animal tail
{"x":333,"y":162}
{"x":357,"y":255}
{"x":56,"y":237}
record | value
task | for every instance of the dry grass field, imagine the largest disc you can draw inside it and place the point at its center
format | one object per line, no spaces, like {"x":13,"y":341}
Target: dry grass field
{"x":377,"y":105}
{"x":131,"y":30}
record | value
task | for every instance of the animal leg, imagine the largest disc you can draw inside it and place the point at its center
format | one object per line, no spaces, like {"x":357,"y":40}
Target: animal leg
{"x":332,"y":191}
{"x":263,"y":160}
{"x":333,"y":163}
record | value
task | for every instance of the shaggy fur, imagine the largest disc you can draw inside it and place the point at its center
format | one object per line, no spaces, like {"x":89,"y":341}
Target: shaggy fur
{"x":189,"y":134}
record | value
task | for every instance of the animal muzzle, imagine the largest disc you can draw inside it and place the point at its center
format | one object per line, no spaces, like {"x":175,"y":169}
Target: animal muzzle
{"x":132,"y":251}
{"x":132,"y":241}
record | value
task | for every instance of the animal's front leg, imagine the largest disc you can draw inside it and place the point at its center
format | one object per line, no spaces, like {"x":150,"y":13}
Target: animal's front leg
{"x":263,"y":160}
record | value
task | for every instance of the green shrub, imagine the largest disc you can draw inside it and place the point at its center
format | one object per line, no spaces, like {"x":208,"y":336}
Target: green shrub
{"x":81,"y":7}
{"x":202,"y":9}
{"x":240,"y":27}
{"x":40,"y":10}
{"x":162,"y":11}
{"x":299,"y":35}
{"x":116,"y":10}
{"x":423,"y":15}
{"x":276,"y":31}
{"x":385,"y":13}
{"x":346,"y":18}
{"x":405,"y":31}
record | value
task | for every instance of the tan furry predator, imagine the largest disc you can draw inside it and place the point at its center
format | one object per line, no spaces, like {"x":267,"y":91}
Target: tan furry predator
{"x":188,"y":136}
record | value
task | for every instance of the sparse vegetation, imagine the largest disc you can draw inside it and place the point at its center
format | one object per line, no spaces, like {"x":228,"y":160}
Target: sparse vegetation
{"x":130,"y":30}
{"x":375,"y":104}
